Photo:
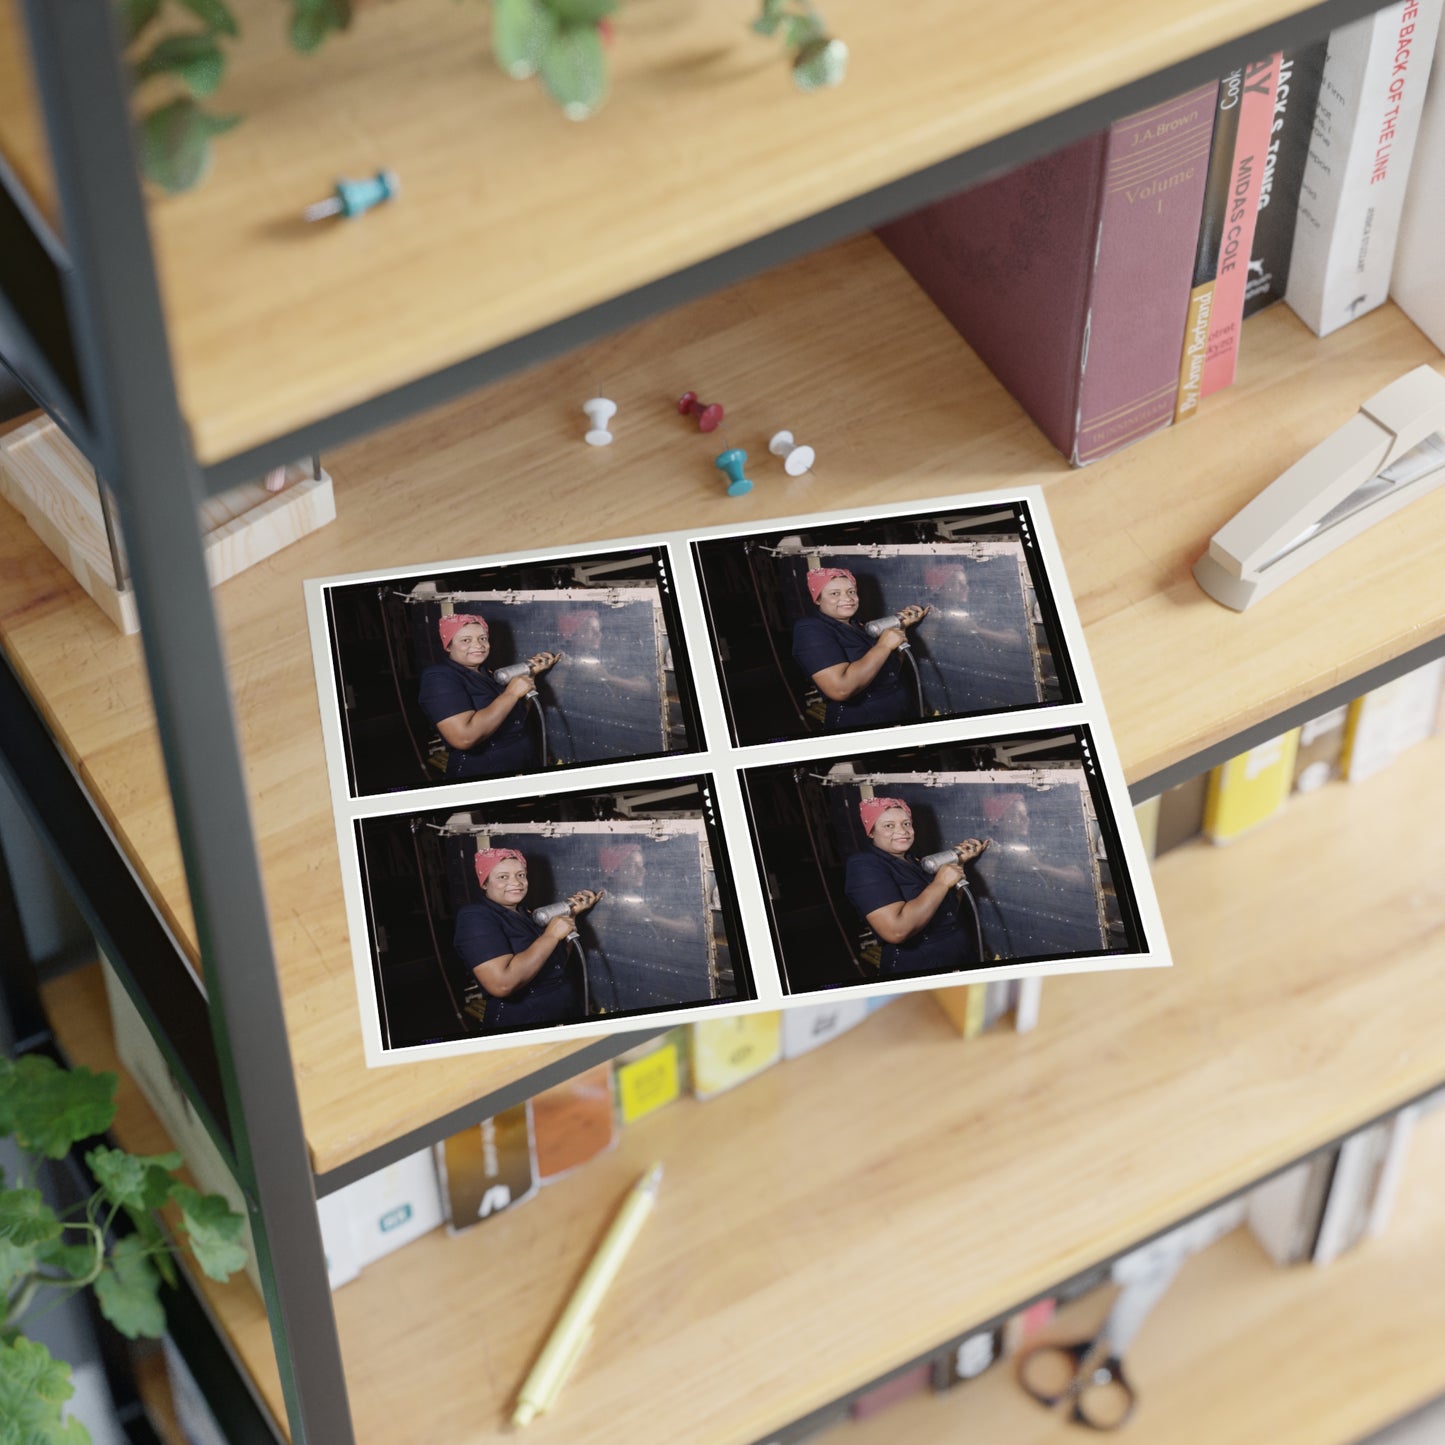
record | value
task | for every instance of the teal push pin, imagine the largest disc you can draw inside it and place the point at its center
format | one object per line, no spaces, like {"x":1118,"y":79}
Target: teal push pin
{"x":355,"y":198}
{"x":731,"y":461}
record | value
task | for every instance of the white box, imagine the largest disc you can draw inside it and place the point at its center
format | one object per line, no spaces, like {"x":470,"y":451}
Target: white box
{"x":806,"y":1028}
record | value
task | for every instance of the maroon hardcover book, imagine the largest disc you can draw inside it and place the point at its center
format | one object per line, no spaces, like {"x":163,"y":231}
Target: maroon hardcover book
{"x":1070,"y":275}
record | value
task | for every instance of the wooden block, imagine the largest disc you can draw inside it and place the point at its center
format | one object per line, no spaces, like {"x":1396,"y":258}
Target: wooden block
{"x":50,"y":483}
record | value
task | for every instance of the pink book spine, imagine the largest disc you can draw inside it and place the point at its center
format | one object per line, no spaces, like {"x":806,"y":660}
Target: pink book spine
{"x":1256,"y":112}
{"x":1147,"y":233}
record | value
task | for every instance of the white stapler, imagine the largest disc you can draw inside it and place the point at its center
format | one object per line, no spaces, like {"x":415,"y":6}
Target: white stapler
{"x":1386,"y":455}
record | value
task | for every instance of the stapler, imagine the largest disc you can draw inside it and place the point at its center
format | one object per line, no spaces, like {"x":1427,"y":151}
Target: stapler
{"x":1386,"y":455}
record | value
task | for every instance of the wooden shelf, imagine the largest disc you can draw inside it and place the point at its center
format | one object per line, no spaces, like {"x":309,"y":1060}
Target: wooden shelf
{"x":1242,"y":1350}
{"x":849,"y":1211}
{"x":511,"y":217}
{"x":898,"y":407}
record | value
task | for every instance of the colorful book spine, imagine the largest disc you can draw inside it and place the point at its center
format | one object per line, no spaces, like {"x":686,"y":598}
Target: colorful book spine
{"x":1214,"y":210}
{"x":1290,"y":129}
{"x":1251,"y":144}
{"x":727,"y":1051}
{"x":487,"y":1169}
{"x":1049,"y":271}
{"x":1250,"y":788}
{"x":965,"y":1007}
{"x":1020,"y":1327}
{"x":1415,"y":284}
{"x":1390,"y":718}
{"x":1354,"y":184}
{"x":573,"y":1122}
{"x":1321,"y":746}
{"x":651,"y":1076}
{"x":890,"y":1392}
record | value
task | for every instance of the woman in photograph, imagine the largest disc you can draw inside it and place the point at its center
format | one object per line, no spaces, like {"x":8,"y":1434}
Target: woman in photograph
{"x":860,"y":677}
{"x":482,"y":721}
{"x":523,"y":967}
{"x":914,"y":915}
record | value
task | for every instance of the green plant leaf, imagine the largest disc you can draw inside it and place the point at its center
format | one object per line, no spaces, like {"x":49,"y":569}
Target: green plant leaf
{"x":175,"y":143}
{"x":769,"y":18}
{"x":25,"y":1218}
{"x":48,"y":1108}
{"x":16,"y":1261}
{"x":803,"y":30}
{"x":135,"y":15}
{"x":74,"y":1261}
{"x":214,"y":15}
{"x":128,"y":1290}
{"x":195,"y":60}
{"x":33,"y":1389}
{"x":581,"y":12}
{"x":521,"y":32}
{"x":574,"y":70}
{"x":136,"y":1181}
{"x":214,"y":1229}
{"x":820,"y":63}
{"x":313,"y":20}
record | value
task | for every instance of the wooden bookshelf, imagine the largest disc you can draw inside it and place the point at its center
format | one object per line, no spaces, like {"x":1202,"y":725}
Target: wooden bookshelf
{"x":704,"y":144}
{"x":506,"y":470}
{"x":846,"y":1212}
{"x":1242,"y":1350}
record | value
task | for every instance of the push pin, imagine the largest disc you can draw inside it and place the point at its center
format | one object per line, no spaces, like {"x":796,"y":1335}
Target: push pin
{"x":731,"y":461}
{"x":709,"y":417}
{"x":796,"y":459}
{"x":599,"y":411}
{"x":354,"y":198}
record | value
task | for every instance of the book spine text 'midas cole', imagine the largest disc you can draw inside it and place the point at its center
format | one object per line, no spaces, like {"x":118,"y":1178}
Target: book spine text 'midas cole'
{"x":1354,"y":182}
{"x":1070,"y":275}
{"x":1256,"y":109}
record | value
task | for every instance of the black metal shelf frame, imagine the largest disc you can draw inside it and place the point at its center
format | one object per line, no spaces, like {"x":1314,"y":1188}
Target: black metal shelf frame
{"x":82,"y":327}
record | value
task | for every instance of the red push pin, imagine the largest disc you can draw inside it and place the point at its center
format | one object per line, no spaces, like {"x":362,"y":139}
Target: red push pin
{"x":709,"y":417}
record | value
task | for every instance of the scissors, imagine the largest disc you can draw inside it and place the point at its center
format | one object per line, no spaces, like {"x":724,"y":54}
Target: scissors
{"x":1089,"y":1374}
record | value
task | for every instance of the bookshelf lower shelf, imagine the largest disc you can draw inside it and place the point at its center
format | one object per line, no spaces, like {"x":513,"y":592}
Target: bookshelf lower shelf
{"x":1242,"y":1350}
{"x":849,"y":1211}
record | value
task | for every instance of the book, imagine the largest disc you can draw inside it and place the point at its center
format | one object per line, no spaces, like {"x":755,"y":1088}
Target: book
{"x":966,"y":1360}
{"x":1347,"y":1205}
{"x":726,"y":1051}
{"x":804,"y":1029}
{"x":890,"y":1392}
{"x":1181,"y":813}
{"x":1250,"y":788}
{"x":1353,"y":190}
{"x":1213,"y":210}
{"x":393,"y":1206}
{"x":1049,"y":271}
{"x":1389,"y":719}
{"x":964,"y":1007}
{"x":487,"y":1168}
{"x":1025,"y":1323}
{"x":1026,"y":1004}
{"x":1415,"y":283}
{"x":1290,"y":129}
{"x":1321,"y":747}
{"x":1146,"y":818}
{"x":1400,"y":1130}
{"x":573,"y":1122}
{"x":1283,"y":1213}
{"x":651,"y":1075}
{"x":1256,"y":109}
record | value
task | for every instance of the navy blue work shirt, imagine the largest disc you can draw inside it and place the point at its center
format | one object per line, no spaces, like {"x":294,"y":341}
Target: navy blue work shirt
{"x":553,"y":996}
{"x":822,"y":642}
{"x":448,"y":688}
{"x":874,"y":879}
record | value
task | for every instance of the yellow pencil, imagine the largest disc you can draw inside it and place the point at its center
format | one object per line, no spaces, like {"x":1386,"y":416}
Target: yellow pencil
{"x":567,"y":1340}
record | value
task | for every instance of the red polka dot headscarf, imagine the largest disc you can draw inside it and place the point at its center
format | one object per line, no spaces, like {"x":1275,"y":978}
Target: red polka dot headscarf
{"x":488,"y":858}
{"x":450,"y":626}
{"x":870,"y":809}
{"x":820,"y":577}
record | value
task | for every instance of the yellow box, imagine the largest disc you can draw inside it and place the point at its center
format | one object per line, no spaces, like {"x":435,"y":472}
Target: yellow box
{"x":1247,"y":790}
{"x":646,"y":1084}
{"x":727,"y":1051}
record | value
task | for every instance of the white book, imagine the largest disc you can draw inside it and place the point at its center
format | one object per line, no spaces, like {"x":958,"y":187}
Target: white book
{"x":1026,"y":1008}
{"x":807,"y":1027}
{"x":1387,"y":1183}
{"x":1418,"y":283}
{"x":1346,"y":1206}
{"x":1283,"y":1214}
{"x":1390,"y":718}
{"x":1354,"y":183}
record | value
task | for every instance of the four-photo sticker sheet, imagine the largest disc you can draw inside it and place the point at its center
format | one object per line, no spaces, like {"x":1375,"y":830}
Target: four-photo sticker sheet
{"x":646,"y":781}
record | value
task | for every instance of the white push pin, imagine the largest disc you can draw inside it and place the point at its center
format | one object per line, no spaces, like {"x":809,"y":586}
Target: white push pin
{"x":796,"y":459}
{"x":599,"y":411}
